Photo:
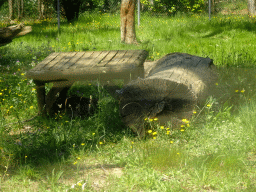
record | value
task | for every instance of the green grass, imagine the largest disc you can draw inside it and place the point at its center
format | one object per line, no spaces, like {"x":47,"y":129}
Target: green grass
{"x":214,"y":151}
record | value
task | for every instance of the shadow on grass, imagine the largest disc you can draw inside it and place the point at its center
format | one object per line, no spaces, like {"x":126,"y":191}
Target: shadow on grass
{"x":218,"y":26}
{"x":52,"y":139}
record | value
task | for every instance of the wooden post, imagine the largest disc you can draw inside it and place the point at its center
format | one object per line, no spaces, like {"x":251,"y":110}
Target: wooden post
{"x":40,"y":88}
{"x":61,"y":88}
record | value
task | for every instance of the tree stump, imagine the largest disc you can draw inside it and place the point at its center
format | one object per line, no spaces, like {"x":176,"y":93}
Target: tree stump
{"x":174,"y":85}
{"x":8,"y":33}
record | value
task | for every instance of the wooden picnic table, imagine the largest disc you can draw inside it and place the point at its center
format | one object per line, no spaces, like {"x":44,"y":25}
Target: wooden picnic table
{"x":65,"y":68}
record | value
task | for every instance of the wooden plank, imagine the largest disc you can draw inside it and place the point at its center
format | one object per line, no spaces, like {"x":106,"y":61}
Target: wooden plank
{"x":73,"y":61}
{"x":67,"y":57}
{"x":84,"y":64}
{"x":85,"y":58}
{"x":117,"y":58}
{"x":130,"y":57}
{"x":108,"y":58}
{"x":47,"y":60}
{"x":137,"y":58}
{"x":100,"y":57}
{"x":88,"y":62}
{"x":55,"y":61}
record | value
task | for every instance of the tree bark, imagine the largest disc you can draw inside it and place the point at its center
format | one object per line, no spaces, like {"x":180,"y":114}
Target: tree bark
{"x":10,"y":9}
{"x":22,"y":8}
{"x":128,"y":21}
{"x":251,"y":8}
{"x":41,"y":9}
{"x":18,"y":7}
{"x":8,"y":33}
{"x":174,"y":85}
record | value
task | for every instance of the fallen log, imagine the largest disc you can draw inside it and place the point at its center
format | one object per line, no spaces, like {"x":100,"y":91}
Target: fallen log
{"x":174,"y":85}
{"x":8,"y":33}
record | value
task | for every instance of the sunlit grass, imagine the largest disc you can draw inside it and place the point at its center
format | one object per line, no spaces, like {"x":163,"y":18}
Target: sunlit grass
{"x":214,"y":150}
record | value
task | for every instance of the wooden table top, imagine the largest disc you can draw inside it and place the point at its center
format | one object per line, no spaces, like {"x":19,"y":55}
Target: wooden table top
{"x":60,"y":66}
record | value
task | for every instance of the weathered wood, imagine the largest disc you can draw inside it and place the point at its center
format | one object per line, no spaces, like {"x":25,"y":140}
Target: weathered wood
{"x":58,"y":90}
{"x":67,"y":67}
{"x":174,"y":85}
{"x":8,"y":33}
{"x":76,"y":66}
{"x":40,"y":89}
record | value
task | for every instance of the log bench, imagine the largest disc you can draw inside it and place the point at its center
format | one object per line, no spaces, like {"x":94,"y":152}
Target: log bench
{"x":65,"y":68}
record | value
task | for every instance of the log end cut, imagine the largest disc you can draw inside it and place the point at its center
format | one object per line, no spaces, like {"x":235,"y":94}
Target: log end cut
{"x":170,"y":91}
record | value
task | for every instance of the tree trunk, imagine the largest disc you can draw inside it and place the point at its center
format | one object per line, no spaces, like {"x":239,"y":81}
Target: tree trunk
{"x":41,"y":9}
{"x":128,"y":21}
{"x":18,"y":7}
{"x":174,"y":85}
{"x":10,"y":9}
{"x":8,"y":33}
{"x":22,"y":8}
{"x":251,"y":8}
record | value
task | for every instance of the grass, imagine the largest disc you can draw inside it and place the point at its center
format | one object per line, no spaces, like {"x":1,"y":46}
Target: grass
{"x":215,"y":150}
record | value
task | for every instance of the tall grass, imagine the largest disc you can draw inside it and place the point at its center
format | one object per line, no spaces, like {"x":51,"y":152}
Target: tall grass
{"x":215,"y":150}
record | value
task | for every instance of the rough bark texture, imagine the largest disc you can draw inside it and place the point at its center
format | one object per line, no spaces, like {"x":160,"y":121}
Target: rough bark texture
{"x":174,"y":85}
{"x":8,"y":33}
{"x":128,"y":22}
{"x":251,"y":7}
{"x":40,"y":8}
{"x":10,"y":2}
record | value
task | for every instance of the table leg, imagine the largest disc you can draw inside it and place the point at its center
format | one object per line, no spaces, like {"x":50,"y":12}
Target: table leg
{"x":60,"y":88}
{"x":40,"y":88}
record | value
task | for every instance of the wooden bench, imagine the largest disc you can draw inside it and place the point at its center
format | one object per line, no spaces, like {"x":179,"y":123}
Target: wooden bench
{"x":65,"y":68}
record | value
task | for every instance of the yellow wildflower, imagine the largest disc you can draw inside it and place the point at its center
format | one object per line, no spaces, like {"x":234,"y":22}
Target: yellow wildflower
{"x":185,"y":120}
{"x":82,"y":143}
{"x":149,"y":131}
{"x":162,"y":127}
{"x":171,"y":141}
{"x":154,"y":133}
{"x":182,"y":130}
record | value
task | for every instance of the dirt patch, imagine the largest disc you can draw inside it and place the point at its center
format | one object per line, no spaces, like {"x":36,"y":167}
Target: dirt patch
{"x":95,"y":177}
